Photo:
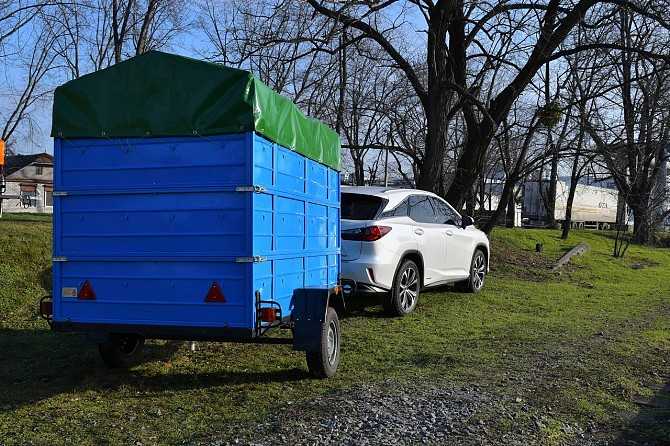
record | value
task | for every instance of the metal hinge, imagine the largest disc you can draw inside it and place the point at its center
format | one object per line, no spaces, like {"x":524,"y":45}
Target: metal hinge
{"x":254,"y":259}
{"x":256,"y":189}
{"x":59,"y":193}
{"x":59,"y":259}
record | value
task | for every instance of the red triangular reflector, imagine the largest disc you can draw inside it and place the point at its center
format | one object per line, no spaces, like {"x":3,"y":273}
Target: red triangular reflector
{"x":215,"y":294}
{"x":86,"y":292}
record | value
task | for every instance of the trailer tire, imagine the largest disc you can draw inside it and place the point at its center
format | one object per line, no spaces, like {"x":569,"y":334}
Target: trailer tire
{"x":323,"y":364}
{"x":122,"y":350}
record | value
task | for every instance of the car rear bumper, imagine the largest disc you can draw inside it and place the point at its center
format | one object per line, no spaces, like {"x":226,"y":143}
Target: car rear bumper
{"x":369,"y":277}
{"x":353,"y":288}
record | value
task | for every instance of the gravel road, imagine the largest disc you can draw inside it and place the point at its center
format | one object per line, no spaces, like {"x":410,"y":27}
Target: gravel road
{"x":387,"y":415}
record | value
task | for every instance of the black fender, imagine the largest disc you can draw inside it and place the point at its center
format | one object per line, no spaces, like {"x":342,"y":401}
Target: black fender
{"x":309,"y":314}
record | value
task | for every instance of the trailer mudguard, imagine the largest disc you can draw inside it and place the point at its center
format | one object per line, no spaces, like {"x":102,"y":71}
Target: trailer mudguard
{"x":309,"y":314}
{"x":96,"y":337}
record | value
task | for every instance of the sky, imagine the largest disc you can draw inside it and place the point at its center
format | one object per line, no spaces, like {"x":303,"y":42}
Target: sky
{"x":190,"y":44}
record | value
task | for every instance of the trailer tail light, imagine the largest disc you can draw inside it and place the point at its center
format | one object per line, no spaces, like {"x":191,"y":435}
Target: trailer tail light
{"x":268,"y":315}
{"x":215,"y":294}
{"x":367,"y":234}
{"x":46,"y":307}
{"x":86,"y":292}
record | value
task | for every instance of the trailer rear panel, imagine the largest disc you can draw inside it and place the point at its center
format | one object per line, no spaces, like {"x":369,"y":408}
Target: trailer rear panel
{"x":155,"y":225}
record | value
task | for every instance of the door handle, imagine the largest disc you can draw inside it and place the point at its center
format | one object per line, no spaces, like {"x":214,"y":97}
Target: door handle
{"x":449,"y":232}
{"x":418,"y":231}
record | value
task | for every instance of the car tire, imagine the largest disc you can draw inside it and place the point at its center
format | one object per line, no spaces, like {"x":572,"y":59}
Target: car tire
{"x":122,"y":350}
{"x":405,"y":291}
{"x":475,"y":283}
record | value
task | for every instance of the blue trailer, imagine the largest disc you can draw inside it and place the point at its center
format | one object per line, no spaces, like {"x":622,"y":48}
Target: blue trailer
{"x":182,"y":215}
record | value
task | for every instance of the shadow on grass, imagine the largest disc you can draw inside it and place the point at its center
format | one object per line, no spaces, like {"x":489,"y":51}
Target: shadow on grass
{"x":370,"y":305}
{"x":39,"y":364}
{"x":649,"y":425}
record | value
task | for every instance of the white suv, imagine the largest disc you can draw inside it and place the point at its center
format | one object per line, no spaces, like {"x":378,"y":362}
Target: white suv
{"x":398,"y":241}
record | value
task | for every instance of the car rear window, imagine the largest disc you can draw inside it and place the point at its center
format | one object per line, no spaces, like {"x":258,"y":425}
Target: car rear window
{"x":361,"y":207}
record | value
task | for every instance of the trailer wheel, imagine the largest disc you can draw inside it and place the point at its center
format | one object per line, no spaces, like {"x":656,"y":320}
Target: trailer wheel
{"x":323,"y":364}
{"x":122,"y":350}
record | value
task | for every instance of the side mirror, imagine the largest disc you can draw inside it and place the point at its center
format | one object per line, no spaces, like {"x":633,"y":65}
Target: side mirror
{"x":467,"y":221}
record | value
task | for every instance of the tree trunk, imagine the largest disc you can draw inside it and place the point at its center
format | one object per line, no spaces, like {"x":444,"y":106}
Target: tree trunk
{"x":143,"y":39}
{"x":553,"y":179}
{"x":359,"y":172}
{"x":120,"y":29}
{"x":511,"y":210}
{"x":574,"y":180}
{"x":642,"y":228}
{"x":470,"y":164}
{"x":436,"y":106}
{"x":506,"y":197}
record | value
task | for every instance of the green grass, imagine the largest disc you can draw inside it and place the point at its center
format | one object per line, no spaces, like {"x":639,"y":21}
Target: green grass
{"x":25,"y":268}
{"x":581,"y":340}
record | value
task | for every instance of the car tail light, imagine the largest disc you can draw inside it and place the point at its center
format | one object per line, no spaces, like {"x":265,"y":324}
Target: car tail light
{"x":367,"y":234}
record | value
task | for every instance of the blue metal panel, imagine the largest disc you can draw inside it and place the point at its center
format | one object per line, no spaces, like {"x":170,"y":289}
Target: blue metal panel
{"x":166,"y":162}
{"x":317,"y":271}
{"x":194,"y":222}
{"x":263,"y":230}
{"x":264,"y":280}
{"x":289,"y":225}
{"x":290,"y":171}
{"x":264,"y":151}
{"x":317,"y":180}
{"x":150,"y":292}
{"x":317,"y":226}
{"x":152,"y":223}
{"x":289,"y":275}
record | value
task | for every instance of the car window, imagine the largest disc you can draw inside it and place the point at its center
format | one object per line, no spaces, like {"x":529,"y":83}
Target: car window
{"x":420,"y":209}
{"x":360,"y":206}
{"x":445,"y":214}
{"x":398,"y":211}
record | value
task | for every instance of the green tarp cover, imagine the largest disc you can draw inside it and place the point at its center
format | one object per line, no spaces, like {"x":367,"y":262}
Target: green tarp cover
{"x":158,"y":95}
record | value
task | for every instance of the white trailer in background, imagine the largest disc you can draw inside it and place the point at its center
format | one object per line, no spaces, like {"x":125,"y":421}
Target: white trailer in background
{"x":593,"y":206}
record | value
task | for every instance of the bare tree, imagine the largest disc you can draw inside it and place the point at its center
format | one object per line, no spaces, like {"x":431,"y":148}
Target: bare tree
{"x":517,"y":163}
{"x":94,"y":34}
{"x":146,"y":24}
{"x":345,"y":81}
{"x":27,"y":79}
{"x":15,"y":15}
{"x":462,"y":41}
{"x":630,"y":128}
{"x":582,"y":84}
